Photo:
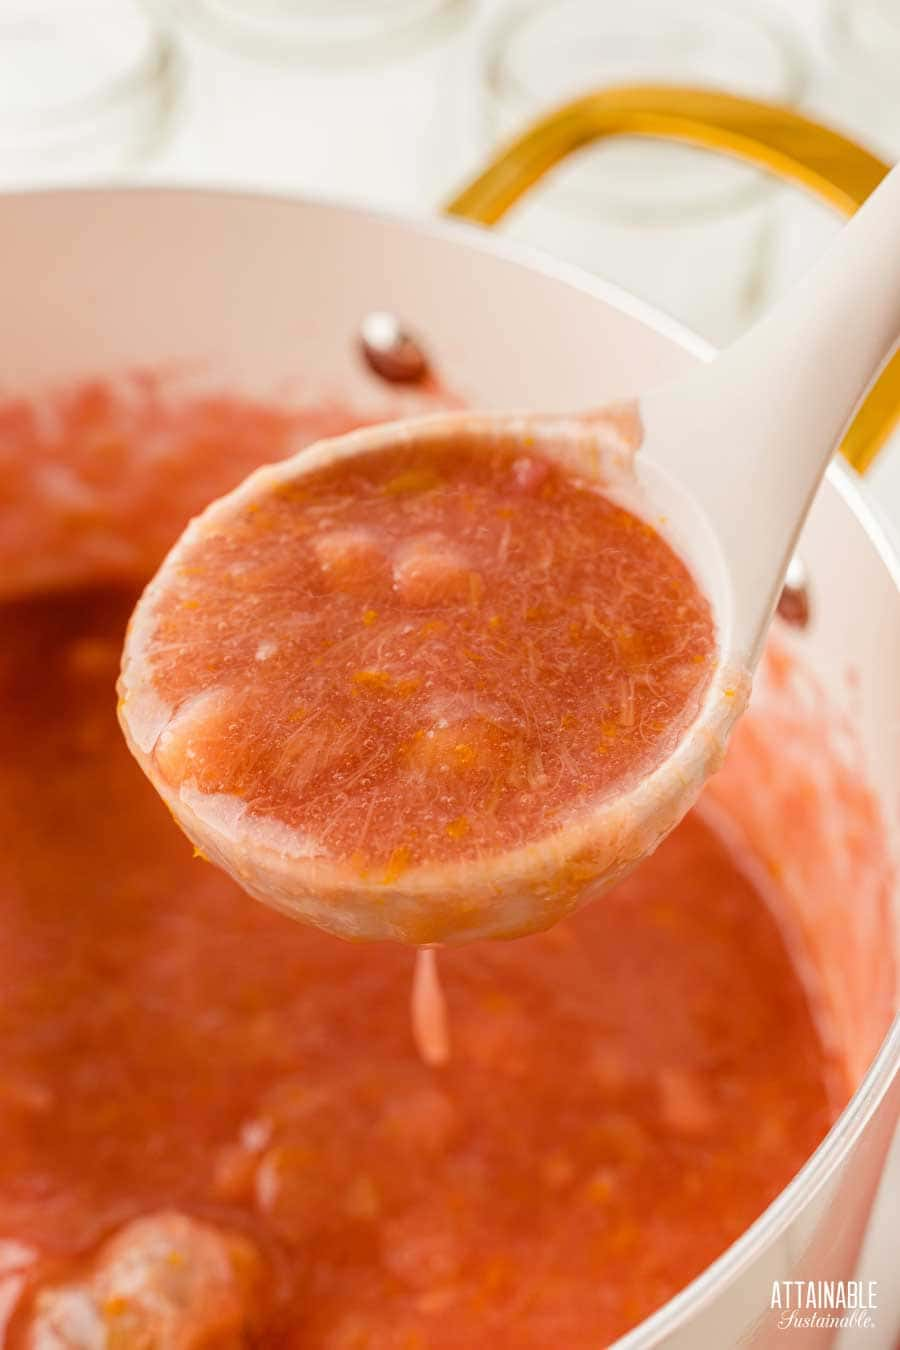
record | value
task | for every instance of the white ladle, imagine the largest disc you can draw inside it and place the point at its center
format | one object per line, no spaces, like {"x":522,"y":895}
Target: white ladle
{"x":730,"y":461}
{"x":750,"y":436}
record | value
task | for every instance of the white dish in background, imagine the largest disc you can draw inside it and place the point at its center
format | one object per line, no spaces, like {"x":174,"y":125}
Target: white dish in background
{"x":88,"y":88}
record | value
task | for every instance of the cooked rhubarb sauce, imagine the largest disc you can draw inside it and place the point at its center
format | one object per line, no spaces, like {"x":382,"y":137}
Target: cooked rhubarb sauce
{"x":421,"y":654}
{"x":215,"y":1128}
{"x":625,"y":1094}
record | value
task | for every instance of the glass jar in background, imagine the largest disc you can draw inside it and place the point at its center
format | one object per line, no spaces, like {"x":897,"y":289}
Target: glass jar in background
{"x":322,"y":30}
{"x":854,"y":87}
{"x":88,"y":90}
{"x":859,"y":84}
{"x":343,"y":98}
{"x":691,"y":232}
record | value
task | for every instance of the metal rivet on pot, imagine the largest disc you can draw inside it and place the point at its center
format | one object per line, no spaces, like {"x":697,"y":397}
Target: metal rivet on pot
{"x":794,"y":606}
{"x":390,"y":350}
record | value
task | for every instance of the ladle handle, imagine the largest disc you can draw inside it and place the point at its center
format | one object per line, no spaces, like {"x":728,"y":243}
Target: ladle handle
{"x":751,"y":436}
{"x":785,"y":143}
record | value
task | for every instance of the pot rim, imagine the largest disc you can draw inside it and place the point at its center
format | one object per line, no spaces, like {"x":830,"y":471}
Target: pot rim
{"x":453,"y":229}
{"x":885,"y":1066}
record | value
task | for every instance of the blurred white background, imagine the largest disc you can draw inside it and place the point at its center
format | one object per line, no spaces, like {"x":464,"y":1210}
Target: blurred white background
{"x":397,"y":102}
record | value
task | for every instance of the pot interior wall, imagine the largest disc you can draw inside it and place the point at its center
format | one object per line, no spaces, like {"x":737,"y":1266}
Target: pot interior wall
{"x":795,"y":790}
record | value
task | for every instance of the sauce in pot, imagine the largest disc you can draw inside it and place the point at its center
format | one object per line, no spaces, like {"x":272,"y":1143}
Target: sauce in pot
{"x":216,"y":1131}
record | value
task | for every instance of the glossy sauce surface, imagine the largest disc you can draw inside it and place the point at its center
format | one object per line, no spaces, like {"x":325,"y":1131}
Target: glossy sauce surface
{"x":423,"y":654}
{"x":97,"y":478}
{"x":215,"y":1124}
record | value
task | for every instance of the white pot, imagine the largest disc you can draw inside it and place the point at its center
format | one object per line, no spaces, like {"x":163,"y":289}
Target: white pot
{"x":264,"y":292}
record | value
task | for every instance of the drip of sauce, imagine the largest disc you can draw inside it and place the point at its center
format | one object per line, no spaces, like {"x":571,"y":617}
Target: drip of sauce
{"x":430,"y":1024}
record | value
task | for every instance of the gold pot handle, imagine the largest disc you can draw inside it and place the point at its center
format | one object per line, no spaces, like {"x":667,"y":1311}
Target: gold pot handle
{"x":791,"y":147}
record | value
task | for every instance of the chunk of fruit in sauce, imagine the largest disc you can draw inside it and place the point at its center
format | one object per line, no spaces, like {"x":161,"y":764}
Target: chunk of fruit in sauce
{"x":161,"y":1281}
